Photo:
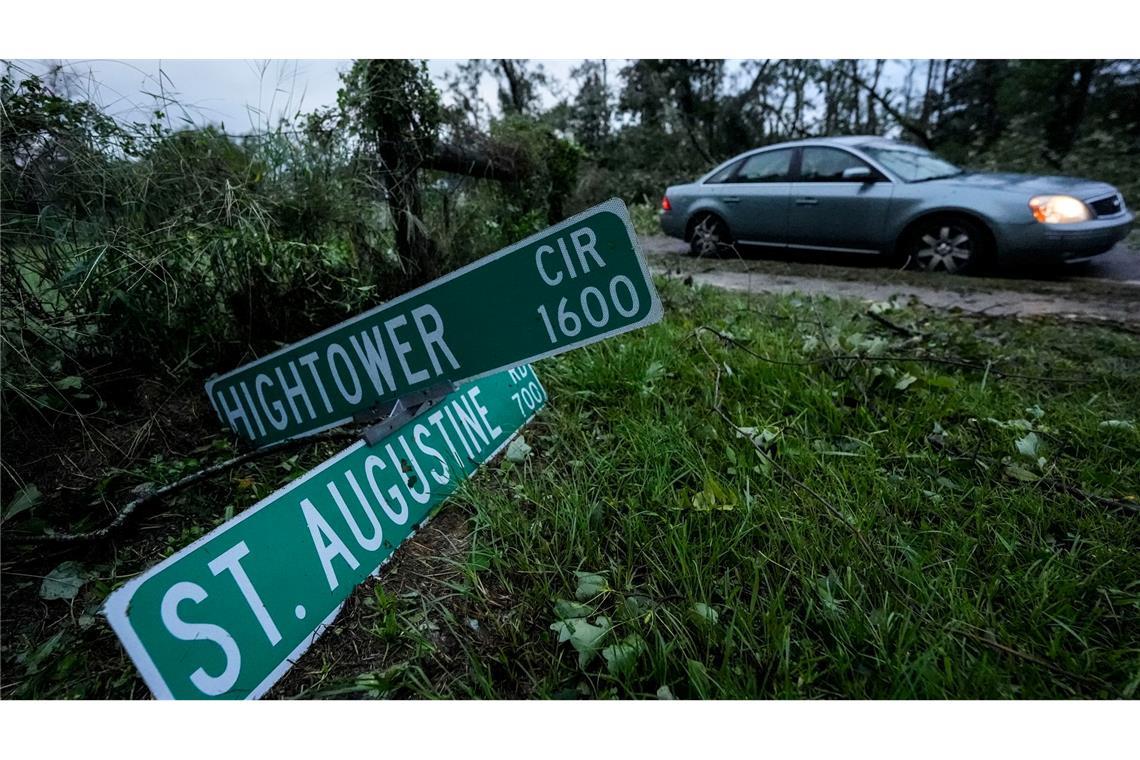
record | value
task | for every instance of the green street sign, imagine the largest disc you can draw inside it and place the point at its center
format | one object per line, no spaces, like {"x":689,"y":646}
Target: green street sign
{"x":228,"y":615}
{"x":573,"y":284}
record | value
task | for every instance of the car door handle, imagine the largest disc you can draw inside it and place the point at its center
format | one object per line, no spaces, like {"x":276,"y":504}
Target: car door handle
{"x":807,"y":201}
{"x":732,"y":199}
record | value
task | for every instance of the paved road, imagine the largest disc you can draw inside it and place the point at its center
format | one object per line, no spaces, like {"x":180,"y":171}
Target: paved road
{"x":1121,"y":264}
{"x":1107,"y":289}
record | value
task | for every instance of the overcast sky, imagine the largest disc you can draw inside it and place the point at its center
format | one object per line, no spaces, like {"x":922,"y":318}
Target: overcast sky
{"x":243,"y":95}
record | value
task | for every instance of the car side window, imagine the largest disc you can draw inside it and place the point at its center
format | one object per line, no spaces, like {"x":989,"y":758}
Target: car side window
{"x":723,"y":174}
{"x":828,"y":165}
{"x":771,"y":166}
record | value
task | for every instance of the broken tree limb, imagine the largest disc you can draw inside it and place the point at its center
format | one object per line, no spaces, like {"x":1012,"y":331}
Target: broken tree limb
{"x":470,"y":162}
{"x":153,"y":495}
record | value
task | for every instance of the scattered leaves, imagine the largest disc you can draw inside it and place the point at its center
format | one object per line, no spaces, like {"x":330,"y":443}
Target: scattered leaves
{"x":714,"y":496}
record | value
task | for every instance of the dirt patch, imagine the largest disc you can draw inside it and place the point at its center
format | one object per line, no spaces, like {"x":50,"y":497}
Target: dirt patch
{"x":995,"y":296}
{"x":415,"y":604}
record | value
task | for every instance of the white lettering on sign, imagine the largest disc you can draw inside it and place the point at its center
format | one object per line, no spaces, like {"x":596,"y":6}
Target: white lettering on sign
{"x":344,"y":372}
{"x":530,"y":395}
{"x":328,"y":544}
{"x":180,"y":629}
{"x":227,"y":615}
{"x":469,"y":423}
{"x":592,"y":304}
{"x":584,"y":242}
{"x":231,"y":561}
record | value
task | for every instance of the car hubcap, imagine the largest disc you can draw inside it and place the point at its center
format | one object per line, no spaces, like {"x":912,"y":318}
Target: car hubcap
{"x":950,"y":250}
{"x":706,"y":238}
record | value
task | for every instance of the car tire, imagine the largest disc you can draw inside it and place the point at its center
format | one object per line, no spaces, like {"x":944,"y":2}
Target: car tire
{"x":709,"y":237}
{"x":954,"y":244}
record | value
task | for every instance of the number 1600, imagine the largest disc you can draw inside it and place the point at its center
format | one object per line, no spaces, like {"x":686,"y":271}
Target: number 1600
{"x":594,"y":306}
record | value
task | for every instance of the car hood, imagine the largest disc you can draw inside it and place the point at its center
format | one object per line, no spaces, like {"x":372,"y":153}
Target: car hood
{"x":1028,"y":184}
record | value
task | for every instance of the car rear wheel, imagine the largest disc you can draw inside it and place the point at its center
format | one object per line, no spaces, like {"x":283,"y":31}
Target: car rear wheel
{"x":953,"y":245}
{"x":709,"y":238}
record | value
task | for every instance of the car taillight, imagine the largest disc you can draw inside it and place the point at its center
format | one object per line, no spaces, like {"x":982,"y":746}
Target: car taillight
{"x":665,"y":203}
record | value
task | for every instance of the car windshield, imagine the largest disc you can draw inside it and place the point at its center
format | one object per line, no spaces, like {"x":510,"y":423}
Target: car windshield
{"x":911,"y":164}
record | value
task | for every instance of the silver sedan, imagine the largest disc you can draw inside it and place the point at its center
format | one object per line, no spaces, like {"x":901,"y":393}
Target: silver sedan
{"x":870,"y":195}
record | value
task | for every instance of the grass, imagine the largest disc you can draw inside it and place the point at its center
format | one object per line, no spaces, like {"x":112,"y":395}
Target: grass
{"x":806,"y":502}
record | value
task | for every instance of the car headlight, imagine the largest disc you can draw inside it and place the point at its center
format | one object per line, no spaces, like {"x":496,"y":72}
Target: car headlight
{"x":1058,"y":209}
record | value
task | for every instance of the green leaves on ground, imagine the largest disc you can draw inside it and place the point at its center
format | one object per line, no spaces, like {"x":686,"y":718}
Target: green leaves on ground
{"x":518,"y":449}
{"x":26,"y":498}
{"x":64,"y":582}
{"x":586,"y":638}
{"x":705,"y":614}
{"x":590,"y":585}
{"x":565,"y":609}
{"x":620,"y":657}
{"x":1027,"y":446}
{"x":714,"y":496}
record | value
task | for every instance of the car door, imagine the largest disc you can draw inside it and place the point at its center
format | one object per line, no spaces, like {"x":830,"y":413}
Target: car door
{"x":757,"y":197}
{"x":828,"y":210}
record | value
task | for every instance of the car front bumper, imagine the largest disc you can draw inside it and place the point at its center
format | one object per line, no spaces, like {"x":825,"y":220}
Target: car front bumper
{"x":1065,"y":243}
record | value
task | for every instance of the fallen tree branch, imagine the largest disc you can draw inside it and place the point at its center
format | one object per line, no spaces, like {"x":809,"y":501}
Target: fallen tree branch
{"x":942,"y":446}
{"x":1027,"y":657}
{"x":153,"y":495}
{"x":893,"y":358}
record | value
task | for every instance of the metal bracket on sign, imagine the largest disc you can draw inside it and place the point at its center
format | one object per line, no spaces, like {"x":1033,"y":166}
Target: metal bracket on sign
{"x":404,"y":410}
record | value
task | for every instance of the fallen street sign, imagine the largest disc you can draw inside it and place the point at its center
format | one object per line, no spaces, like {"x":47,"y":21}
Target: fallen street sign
{"x":573,"y":284}
{"x":228,"y":615}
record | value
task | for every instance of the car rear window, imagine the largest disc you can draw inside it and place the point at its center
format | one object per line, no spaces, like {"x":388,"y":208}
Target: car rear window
{"x":771,"y":166}
{"x":723,"y":174}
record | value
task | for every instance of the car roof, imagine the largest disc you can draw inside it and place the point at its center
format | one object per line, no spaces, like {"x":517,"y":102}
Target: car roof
{"x":846,"y":140}
{"x":849,"y":141}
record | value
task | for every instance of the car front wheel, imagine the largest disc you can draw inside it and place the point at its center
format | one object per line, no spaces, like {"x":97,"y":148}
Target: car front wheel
{"x":946,"y":245}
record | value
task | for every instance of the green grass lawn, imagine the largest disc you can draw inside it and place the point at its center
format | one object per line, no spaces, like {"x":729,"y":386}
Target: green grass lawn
{"x":759,"y":497}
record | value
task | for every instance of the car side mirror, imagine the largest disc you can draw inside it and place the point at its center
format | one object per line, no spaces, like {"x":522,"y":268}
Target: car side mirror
{"x":862,"y":173}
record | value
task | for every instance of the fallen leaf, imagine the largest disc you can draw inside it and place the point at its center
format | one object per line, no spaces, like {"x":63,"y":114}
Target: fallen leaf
{"x":586,"y":638}
{"x":714,"y":496}
{"x":64,"y":581}
{"x":638,"y":606}
{"x":621,"y":656}
{"x":565,"y":609}
{"x":705,"y":613}
{"x":26,"y":498}
{"x":518,"y":449}
{"x":905,"y":382}
{"x":1027,"y":446}
{"x":1020,"y":473}
{"x":590,"y":585}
